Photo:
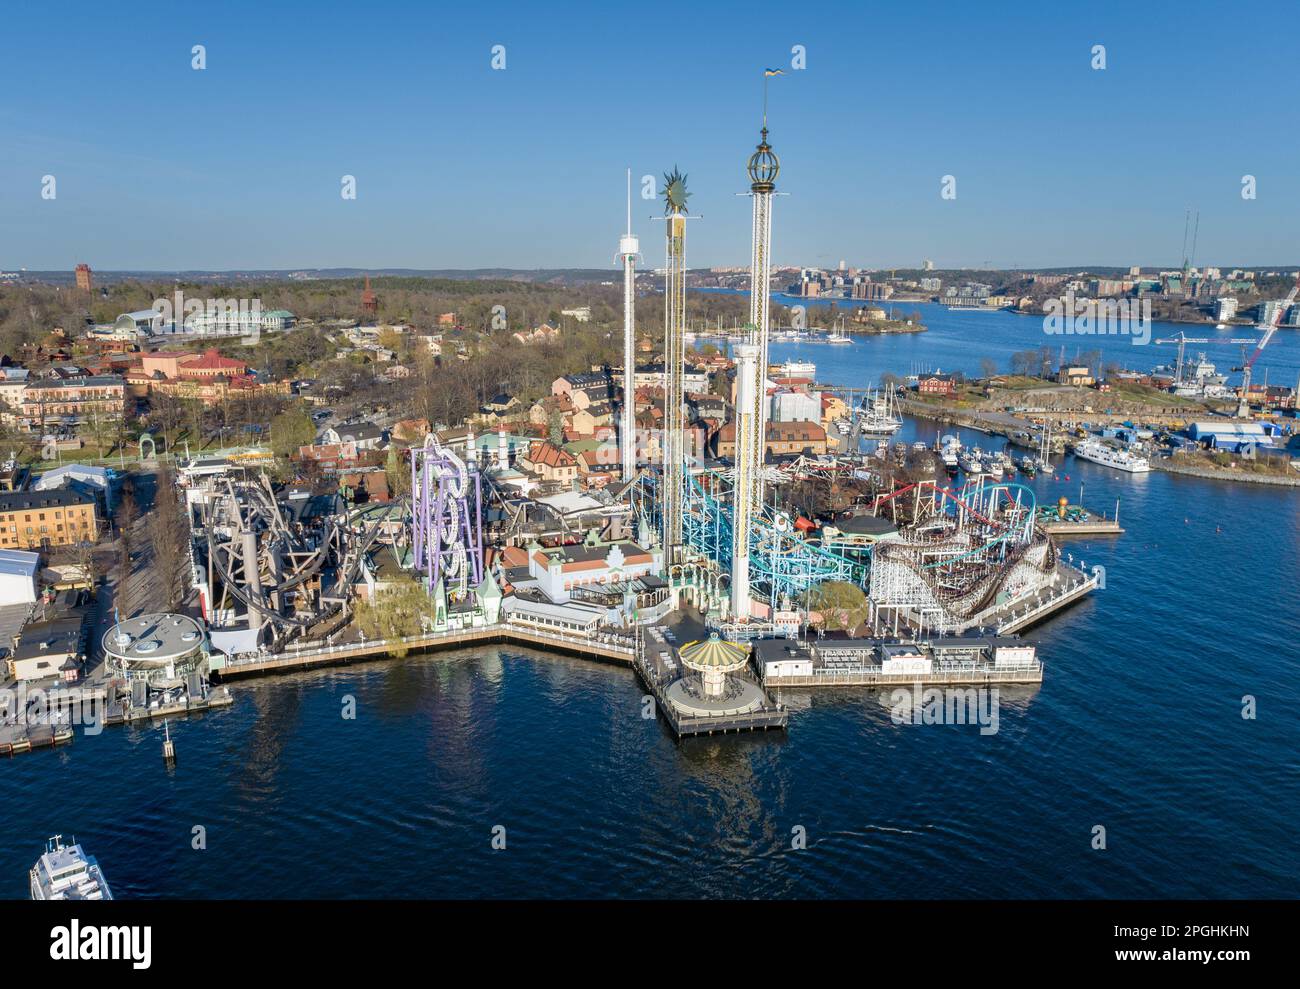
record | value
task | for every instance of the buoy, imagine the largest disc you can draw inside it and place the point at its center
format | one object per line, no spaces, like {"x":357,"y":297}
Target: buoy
{"x":169,"y":747}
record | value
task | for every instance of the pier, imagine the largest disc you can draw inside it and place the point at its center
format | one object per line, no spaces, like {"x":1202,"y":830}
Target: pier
{"x":1072,"y":585}
{"x":1093,"y":526}
{"x":873,"y":677}
{"x":658,"y":671}
{"x":938,"y":661}
{"x":611,"y":648}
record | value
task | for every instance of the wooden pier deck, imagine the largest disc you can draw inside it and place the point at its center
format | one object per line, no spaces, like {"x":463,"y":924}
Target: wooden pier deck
{"x":608,"y":647}
{"x":1074,"y":586}
{"x":868,"y":677}
{"x":657,"y":679}
{"x":1096,"y":527}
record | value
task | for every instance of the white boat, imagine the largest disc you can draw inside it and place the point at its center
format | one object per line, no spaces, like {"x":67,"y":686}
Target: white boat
{"x":799,"y":369}
{"x":837,"y":335}
{"x":65,"y":872}
{"x":1098,"y":452}
{"x":878,"y":418}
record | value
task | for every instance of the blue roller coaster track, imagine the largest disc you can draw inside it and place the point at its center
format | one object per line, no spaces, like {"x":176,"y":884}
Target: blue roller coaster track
{"x":782,"y":564}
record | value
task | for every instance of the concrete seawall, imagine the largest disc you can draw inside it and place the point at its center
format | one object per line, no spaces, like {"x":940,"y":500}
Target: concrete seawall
{"x":1225,"y":475}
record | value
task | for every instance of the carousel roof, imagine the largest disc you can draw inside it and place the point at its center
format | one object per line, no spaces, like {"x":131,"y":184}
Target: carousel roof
{"x":713,"y":653}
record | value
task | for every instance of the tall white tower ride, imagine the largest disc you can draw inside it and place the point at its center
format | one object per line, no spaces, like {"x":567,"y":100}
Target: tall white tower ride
{"x":674,"y":446}
{"x":742,"y":508}
{"x":763,"y":168}
{"x":628,"y":246}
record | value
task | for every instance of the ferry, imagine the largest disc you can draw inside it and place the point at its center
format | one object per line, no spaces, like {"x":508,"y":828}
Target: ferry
{"x":950,"y":453}
{"x":799,"y":369}
{"x":65,"y":872}
{"x":1098,"y":452}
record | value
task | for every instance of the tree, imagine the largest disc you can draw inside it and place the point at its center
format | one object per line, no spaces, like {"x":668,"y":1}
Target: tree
{"x":398,"y":474}
{"x":988,"y":367}
{"x":842,"y":605}
{"x":126,"y":512}
{"x":290,"y":430}
{"x":169,"y":534}
{"x":124,"y":595}
{"x":394,"y":614}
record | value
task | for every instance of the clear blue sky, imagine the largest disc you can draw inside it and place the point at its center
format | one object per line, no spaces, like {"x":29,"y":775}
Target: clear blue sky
{"x":457,"y":165}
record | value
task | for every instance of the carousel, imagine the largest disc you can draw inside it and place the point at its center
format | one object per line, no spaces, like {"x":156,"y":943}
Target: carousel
{"x":711,"y":688}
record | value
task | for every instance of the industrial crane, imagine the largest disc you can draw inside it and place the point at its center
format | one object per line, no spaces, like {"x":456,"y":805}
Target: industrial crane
{"x":1269,"y":328}
{"x":1183,"y":339}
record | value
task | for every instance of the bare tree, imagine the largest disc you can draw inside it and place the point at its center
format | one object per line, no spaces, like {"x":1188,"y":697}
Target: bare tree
{"x":169,"y":535}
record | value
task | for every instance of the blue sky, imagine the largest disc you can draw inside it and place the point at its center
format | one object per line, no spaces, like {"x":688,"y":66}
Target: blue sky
{"x":458,"y":165}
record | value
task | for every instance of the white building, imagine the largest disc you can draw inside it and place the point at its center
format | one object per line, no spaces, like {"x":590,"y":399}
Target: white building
{"x":18,"y":576}
{"x":1225,"y":308}
{"x":158,"y":648}
{"x":561,"y":570}
{"x":1268,"y":311}
{"x":651,"y":375}
{"x":904,"y":658}
{"x":789,"y":405}
{"x":97,"y":478}
{"x":220,"y":320}
{"x":142,"y":322}
{"x":12,"y":382}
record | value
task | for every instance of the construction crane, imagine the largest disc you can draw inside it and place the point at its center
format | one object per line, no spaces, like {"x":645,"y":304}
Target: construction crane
{"x":1183,"y":339}
{"x":1269,"y":328}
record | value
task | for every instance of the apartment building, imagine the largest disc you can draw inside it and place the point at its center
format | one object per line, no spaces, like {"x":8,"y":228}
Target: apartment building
{"x":44,"y":519}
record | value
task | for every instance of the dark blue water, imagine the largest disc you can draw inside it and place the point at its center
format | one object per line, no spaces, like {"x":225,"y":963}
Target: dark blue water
{"x":1137,"y":728}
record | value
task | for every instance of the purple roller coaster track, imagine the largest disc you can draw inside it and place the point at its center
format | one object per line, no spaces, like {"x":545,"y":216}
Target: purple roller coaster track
{"x":446,"y":518}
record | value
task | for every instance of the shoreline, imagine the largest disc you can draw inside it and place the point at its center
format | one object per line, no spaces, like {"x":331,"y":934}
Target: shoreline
{"x":1210,"y":474}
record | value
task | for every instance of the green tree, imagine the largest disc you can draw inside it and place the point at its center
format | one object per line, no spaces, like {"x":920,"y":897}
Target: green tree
{"x":841,"y":604}
{"x":398,"y":473}
{"x":395,"y":613}
{"x":289,"y":430}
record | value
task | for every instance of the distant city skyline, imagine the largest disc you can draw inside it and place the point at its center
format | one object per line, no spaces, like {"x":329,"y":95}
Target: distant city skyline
{"x":459,"y":165}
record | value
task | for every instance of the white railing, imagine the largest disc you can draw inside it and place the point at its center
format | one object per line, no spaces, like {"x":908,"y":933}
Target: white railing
{"x":299,"y":653}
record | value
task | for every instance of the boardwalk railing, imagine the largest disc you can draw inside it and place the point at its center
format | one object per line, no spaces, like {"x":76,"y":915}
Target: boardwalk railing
{"x":869,"y":678}
{"x":613,"y":646}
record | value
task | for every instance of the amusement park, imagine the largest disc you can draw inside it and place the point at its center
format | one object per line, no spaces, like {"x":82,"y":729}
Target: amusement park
{"x":718,"y":547}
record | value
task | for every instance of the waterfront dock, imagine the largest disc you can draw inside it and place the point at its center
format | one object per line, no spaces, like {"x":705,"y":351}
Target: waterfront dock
{"x":658,"y":671}
{"x":937,"y":661}
{"x":1064,"y":519}
{"x":1068,"y":586}
{"x":92,"y":707}
{"x":611,"y":648}
{"x":1092,"y":526}
{"x":16,"y":738}
{"x":873,"y":677}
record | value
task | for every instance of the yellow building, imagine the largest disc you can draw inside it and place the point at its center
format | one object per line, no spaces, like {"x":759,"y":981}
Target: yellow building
{"x":43,"y":519}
